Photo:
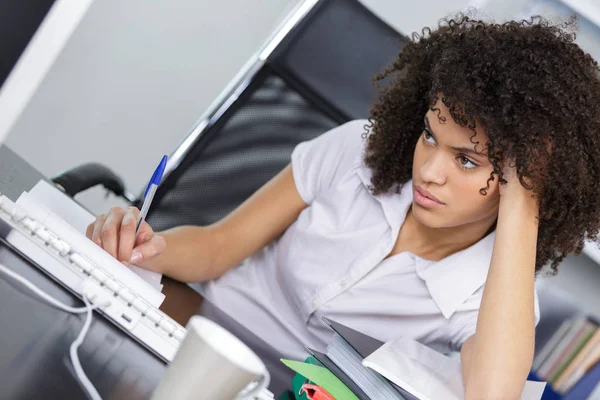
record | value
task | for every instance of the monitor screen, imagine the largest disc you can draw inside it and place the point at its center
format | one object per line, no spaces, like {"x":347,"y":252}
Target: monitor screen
{"x":33,"y":34}
{"x":18,"y":22}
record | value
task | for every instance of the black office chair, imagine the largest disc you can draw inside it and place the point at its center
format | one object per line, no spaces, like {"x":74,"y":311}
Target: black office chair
{"x":314,"y":74}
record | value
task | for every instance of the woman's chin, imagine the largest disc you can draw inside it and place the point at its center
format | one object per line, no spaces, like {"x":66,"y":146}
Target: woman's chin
{"x":425,"y":216}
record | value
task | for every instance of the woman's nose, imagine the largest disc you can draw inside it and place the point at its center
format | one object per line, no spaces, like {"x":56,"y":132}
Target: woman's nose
{"x":434,"y":169}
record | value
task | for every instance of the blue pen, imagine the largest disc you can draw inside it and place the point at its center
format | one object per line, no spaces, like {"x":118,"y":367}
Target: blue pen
{"x":150,"y":192}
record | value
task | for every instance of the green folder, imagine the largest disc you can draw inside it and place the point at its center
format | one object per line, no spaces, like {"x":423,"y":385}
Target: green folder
{"x":322,"y":377}
{"x":300,"y":380}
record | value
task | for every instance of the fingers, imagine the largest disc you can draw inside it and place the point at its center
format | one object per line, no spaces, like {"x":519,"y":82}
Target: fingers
{"x":115,"y":232}
{"x":127,"y":237}
{"x":149,"y":249}
{"x":90,"y":230}
{"x":110,"y":231}
{"x":97,"y":229}
{"x":144,"y":235}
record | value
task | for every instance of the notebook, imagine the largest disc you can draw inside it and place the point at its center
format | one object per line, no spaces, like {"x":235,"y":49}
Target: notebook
{"x":415,"y":371}
{"x":426,"y":373}
{"x":335,"y":370}
{"x":347,"y":350}
{"x":364,"y":345}
{"x":81,"y":266}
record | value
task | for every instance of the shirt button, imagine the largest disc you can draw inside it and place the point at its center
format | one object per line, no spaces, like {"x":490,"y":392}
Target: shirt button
{"x":343,"y":283}
{"x":315,"y":302}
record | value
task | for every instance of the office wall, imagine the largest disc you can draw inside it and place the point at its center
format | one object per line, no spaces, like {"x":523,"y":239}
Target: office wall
{"x":133,"y":79}
{"x":580,"y":277}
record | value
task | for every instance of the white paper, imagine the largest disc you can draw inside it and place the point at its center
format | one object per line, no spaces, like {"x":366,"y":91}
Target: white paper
{"x":427,"y":374}
{"x":153,"y":278}
{"x":79,"y":218}
{"x":595,"y":395}
{"x":62,"y":205}
{"x":82,"y":245}
{"x":533,"y":390}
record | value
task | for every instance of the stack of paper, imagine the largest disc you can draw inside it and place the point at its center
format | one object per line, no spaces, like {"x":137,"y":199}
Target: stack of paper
{"x":45,"y":196}
{"x":350,"y":362}
{"x":427,"y":374}
{"x":398,"y":369}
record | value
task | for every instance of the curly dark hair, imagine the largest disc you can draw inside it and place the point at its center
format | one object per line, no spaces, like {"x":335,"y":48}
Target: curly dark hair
{"x":535,"y":92}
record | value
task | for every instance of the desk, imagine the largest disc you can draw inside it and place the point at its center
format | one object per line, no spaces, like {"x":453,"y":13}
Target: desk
{"x":35,"y":337}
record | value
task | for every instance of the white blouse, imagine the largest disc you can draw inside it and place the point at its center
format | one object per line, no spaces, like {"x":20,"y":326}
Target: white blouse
{"x":331,"y":262}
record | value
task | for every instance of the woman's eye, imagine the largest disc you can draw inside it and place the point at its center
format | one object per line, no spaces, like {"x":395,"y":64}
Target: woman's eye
{"x":428,"y":137}
{"x":466,"y":163}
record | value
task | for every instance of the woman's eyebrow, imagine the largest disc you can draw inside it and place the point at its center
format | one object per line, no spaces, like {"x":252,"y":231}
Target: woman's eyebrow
{"x":466,"y":150}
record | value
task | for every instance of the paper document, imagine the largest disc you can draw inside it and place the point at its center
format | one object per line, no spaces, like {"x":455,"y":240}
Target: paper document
{"x":79,"y":218}
{"x":427,"y":374}
{"x":80,"y":243}
{"x":62,"y":205}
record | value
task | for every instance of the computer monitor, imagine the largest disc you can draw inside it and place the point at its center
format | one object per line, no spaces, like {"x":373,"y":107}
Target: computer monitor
{"x":33,"y":34}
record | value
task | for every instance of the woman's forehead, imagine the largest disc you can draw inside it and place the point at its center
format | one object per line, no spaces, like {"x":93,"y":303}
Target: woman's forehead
{"x":441,"y":120}
{"x":455,"y":136}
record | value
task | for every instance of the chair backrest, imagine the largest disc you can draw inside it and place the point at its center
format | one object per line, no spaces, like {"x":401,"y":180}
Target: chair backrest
{"x":315,"y":78}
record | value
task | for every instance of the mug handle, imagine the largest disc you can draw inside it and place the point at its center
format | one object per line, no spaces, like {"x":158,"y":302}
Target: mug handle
{"x":259,"y":385}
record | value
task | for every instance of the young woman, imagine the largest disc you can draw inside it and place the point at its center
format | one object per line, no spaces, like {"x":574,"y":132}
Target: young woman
{"x":477,"y":168}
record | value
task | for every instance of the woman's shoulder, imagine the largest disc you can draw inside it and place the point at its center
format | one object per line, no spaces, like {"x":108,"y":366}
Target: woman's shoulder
{"x":322,"y":162}
{"x":351,"y":134}
{"x":346,"y":143}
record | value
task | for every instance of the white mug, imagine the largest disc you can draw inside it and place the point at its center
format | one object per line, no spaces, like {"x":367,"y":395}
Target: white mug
{"x":212,"y":363}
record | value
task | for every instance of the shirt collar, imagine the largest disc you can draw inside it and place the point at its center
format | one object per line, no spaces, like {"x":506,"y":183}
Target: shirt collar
{"x":450,"y":281}
{"x":454,"y":279}
{"x":394,"y":205}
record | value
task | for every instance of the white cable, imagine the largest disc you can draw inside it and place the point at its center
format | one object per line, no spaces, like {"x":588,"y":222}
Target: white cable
{"x":79,"y":372}
{"x":41,"y":293}
{"x":87,"y":384}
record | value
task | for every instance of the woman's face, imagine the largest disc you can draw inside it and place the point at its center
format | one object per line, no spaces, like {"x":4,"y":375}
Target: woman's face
{"x":448,"y":172}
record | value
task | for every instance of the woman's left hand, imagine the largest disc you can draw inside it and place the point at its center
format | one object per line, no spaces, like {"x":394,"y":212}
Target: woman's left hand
{"x":514,"y":193}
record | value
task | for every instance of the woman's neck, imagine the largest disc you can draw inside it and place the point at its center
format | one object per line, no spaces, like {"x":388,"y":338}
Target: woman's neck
{"x":438,"y":243}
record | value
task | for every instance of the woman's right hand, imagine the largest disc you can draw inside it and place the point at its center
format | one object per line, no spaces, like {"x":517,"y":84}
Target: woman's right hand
{"x":115,"y":233}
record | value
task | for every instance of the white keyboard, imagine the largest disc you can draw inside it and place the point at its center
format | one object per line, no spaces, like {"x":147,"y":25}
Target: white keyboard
{"x":128,"y":310}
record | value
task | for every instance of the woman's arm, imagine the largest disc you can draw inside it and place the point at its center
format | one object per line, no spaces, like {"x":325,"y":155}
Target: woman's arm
{"x":194,"y":254}
{"x":497,"y":358}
